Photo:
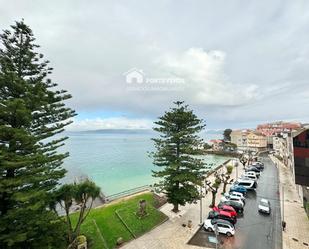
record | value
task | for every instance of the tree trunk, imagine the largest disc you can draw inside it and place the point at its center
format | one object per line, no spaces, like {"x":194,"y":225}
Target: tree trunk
{"x":224,"y":186}
{"x":213,"y":202}
{"x":176,"y":208}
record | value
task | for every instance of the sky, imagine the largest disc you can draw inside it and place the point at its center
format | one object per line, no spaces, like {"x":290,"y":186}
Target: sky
{"x":240,"y":63}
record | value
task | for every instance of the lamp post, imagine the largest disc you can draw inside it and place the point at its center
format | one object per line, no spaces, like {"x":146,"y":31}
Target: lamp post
{"x":201,"y":205}
{"x":216,"y":233}
{"x":235,"y":164}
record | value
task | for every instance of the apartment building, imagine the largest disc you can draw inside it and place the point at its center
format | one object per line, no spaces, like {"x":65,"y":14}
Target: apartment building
{"x":271,"y":130}
{"x":217,"y":144}
{"x":239,"y":137}
{"x":256,"y":141}
{"x":249,"y":140}
{"x":293,"y":148}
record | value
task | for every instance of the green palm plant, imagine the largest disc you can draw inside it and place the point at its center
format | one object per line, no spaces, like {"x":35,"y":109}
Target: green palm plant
{"x":81,"y":194}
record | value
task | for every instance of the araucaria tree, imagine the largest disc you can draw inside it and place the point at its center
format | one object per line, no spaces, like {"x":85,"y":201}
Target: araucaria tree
{"x":227,"y":135}
{"x":32,"y":111}
{"x":181,"y":172}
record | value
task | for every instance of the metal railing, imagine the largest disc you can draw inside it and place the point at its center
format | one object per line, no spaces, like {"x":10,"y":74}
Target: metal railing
{"x":128,"y":192}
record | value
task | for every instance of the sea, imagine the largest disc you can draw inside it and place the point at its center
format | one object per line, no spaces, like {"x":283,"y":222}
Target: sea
{"x":117,"y":160}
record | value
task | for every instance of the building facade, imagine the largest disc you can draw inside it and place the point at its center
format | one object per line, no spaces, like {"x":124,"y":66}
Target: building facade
{"x":301,"y":157}
{"x":249,"y":140}
{"x":239,"y":137}
{"x":293,"y":148}
{"x":256,"y":141}
{"x":270,"y":129}
{"x":217,"y":144}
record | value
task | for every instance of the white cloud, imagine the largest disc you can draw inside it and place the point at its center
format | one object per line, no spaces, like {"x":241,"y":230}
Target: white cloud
{"x":250,"y":65}
{"x":207,"y":83}
{"x":109,"y":123}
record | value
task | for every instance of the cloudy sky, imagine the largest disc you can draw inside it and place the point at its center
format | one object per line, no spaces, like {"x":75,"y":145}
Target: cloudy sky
{"x":241,"y":62}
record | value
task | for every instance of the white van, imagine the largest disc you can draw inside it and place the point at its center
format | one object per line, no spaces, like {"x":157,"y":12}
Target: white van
{"x":246,"y":183}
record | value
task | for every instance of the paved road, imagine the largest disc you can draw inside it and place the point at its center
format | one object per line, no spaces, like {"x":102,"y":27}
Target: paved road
{"x":255,"y":230}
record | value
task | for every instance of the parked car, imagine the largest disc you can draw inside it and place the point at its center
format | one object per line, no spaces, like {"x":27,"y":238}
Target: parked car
{"x":223,"y":226}
{"x":251,"y":173}
{"x":227,"y":197}
{"x":240,"y":189}
{"x":249,"y":177}
{"x":238,"y":199}
{"x":237,"y":206}
{"x":264,"y":206}
{"x":225,"y":208}
{"x":254,"y":169}
{"x":258,"y":165}
{"x":222,"y":215}
{"x":246,"y":183}
{"x":239,"y":195}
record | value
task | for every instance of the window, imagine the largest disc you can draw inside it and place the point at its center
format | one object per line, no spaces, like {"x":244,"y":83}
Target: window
{"x":245,"y":184}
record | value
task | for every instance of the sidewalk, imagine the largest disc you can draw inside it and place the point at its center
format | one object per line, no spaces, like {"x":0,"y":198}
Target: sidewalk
{"x":171,"y":234}
{"x":297,"y":222}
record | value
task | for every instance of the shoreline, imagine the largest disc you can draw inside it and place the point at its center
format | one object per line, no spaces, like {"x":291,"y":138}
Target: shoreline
{"x":149,"y":189}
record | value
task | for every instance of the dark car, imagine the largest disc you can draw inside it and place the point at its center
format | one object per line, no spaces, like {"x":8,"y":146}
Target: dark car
{"x":258,"y":165}
{"x":240,"y":189}
{"x":237,"y":206}
{"x":216,"y":215}
{"x":254,"y":169}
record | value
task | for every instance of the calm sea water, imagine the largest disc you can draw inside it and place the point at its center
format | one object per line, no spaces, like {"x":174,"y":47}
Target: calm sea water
{"x":117,"y":161}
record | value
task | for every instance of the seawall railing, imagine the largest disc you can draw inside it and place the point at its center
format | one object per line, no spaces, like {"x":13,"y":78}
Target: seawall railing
{"x":128,"y":192}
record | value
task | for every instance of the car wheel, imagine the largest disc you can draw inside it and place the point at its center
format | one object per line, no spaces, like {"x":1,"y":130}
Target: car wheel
{"x":209,"y":229}
{"x":228,"y":234}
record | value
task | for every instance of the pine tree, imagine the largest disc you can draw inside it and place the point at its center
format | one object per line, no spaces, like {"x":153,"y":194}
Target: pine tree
{"x":177,"y":146}
{"x":227,"y":135}
{"x":32,"y":111}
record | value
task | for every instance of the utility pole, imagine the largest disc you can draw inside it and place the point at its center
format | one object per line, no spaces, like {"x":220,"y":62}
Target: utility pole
{"x":216,"y":233}
{"x":236,"y":166}
{"x":201,"y":205}
{"x":282,"y":203}
{"x":283,"y":221}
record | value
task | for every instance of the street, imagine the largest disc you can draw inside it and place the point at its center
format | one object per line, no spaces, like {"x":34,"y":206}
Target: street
{"x":254,"y":230}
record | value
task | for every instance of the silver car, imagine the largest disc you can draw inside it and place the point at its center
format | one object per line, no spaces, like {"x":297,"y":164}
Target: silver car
{"x":264,"y":206}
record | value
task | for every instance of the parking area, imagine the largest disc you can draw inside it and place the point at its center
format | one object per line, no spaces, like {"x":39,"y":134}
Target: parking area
{"x":206,"y":239}
{"x":253,"y":229}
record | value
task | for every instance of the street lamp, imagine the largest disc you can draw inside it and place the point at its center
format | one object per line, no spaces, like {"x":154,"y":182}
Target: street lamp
{"x":216,"y":233}
{"x":201,"y":205}
{"x":235,"y":164}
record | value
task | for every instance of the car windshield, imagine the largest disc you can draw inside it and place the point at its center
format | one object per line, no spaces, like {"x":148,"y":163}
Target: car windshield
{"x":264,"y":204}
{"x":213,"y":221}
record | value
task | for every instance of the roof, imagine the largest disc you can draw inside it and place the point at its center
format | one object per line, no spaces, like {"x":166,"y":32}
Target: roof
{"x":241,"y":131}
{"x":295,"y":133}
{"x":216,"y":141}
{"x":257,"y":133}
{"x":134,"y":70}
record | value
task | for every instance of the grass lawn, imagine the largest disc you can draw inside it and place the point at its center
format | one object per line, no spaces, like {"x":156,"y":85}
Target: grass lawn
{"x":110,"y":227}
